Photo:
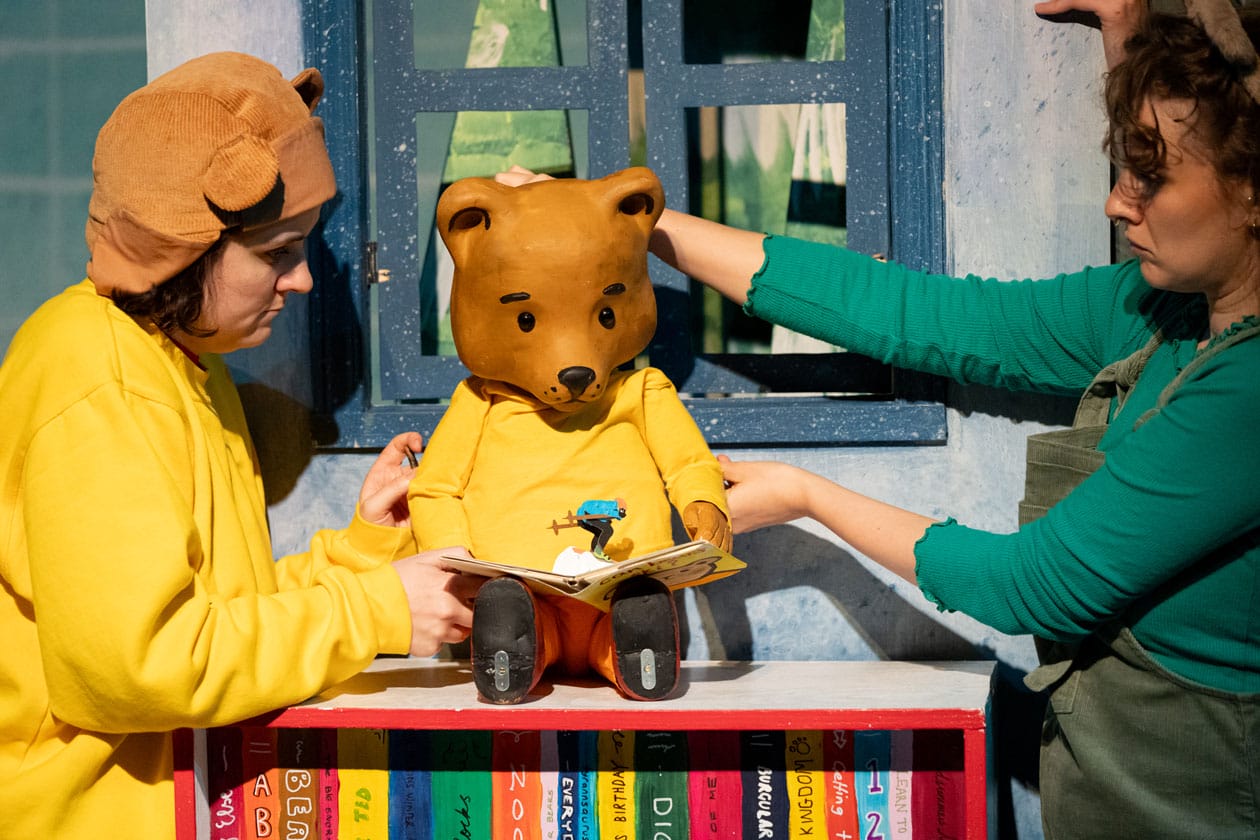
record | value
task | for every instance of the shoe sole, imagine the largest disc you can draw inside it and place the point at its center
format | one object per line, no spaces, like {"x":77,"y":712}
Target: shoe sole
{"x":645,"y":638}
{"x":504,"y":641}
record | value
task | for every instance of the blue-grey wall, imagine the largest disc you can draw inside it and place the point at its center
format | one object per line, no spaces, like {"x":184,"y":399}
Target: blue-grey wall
{"x":1024,"y":188}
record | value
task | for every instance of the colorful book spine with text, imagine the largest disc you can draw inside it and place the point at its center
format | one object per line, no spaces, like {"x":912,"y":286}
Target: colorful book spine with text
{"x":764,"y":806}
{"x":298,"y":751}
{"x":329,"y":784}
{"x":578,"y":816}
{"x":516,"y":785}
{"x":261,"y":761}
{"x":374,"y":784}
{"x":614,"y":785}
{"x":660,"y":784}
{"x":871,"y":751}
{"x":714,"y":788}
{"x":840,"y":795}
{"x":461,"y":784}
{"x":549,"y":781}
{"x":224,"y":777}
{"x":363,"y":773}
{"x":803,"y":771}
{"x":937,"y":798}
{"x":410,"y":797}
{"x":900,"y":785}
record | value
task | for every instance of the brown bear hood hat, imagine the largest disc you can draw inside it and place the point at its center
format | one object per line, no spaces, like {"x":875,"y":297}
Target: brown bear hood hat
{"x":222,"y":141}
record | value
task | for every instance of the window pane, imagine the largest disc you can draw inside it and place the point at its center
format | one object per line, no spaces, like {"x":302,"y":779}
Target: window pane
{"x":720,"y":32}
{"x":499,"y":33}
{"x":774,"y":168}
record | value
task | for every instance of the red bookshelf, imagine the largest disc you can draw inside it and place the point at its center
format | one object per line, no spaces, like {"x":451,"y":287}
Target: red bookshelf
{"x":402,"y":693}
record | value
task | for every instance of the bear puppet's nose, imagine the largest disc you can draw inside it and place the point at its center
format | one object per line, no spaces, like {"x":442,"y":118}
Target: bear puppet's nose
{"x":577,"y":379}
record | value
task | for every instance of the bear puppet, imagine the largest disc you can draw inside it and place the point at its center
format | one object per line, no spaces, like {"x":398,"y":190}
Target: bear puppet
{"x":550,"y":299}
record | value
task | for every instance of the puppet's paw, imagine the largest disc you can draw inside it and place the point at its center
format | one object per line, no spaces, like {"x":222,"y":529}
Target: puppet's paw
{"x":645,"y":638}
{"x":504,"y":641}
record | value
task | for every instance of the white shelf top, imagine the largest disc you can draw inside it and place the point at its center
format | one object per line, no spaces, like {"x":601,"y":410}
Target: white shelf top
{"x":427,"y":693}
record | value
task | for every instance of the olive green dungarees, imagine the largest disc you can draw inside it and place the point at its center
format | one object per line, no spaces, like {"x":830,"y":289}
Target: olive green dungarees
{"x":1129,"y":749}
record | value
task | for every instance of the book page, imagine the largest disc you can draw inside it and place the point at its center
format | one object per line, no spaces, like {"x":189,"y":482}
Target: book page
{"x":679,"y":566}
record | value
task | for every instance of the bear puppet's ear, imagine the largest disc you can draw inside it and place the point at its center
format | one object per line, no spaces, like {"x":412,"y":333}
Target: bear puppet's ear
{"x":464,"y":210}
{"x":636,"y":193}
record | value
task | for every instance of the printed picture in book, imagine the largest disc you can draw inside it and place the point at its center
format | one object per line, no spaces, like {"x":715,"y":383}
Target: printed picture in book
{"x":562,"y":459}
{"x":374,"y":784}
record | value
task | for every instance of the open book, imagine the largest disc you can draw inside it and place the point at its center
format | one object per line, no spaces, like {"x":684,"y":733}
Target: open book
{"x":679,"y":566}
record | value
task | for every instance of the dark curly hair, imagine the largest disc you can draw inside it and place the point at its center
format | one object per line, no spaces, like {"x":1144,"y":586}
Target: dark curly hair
{"x":1172,"y":58}
{"x":176,"y":304}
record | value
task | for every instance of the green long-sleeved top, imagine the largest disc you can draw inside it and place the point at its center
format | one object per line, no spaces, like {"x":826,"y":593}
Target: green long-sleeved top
{"x":1167,"y":532}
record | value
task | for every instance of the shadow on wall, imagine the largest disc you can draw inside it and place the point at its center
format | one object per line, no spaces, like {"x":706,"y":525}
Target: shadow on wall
{"x":787,"y":556}
{"x":893,"y":628}
{"x":281,"y":429}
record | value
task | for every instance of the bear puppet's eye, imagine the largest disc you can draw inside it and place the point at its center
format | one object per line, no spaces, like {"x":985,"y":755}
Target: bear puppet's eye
{"x":607,"y":318}
{"x":525,"y":321}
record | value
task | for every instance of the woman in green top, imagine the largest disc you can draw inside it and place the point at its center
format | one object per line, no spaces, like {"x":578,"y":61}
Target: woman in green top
{"x":1150,"y":566}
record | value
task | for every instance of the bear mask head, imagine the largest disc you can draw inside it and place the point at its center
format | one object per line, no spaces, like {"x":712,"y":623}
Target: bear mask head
{"x":551,"y":290}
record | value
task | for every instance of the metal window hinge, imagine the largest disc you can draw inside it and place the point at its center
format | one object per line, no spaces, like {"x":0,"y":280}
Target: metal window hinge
{"x":372,"y":273}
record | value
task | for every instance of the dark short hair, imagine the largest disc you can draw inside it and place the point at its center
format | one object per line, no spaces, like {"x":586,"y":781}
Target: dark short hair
{"x":1170,"y":57}
{"x":177,"y":303}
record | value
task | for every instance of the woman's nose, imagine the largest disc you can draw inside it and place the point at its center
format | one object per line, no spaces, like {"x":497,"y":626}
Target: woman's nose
{"x":298,"y":279}
{"x":1124,"y":203}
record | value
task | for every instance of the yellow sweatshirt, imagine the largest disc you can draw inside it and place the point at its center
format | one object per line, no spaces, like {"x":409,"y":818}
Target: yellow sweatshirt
{"x":138,"y":593}
{"x":501,"y":467}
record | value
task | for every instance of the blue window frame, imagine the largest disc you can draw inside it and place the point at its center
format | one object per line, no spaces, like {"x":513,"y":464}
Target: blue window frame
{"x":373,"y":343}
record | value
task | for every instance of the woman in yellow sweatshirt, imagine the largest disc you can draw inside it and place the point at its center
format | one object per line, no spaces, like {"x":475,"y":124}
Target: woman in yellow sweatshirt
{"x":138,"y":592}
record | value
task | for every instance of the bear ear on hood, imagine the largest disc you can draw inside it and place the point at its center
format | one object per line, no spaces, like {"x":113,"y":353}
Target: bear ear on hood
{"x":310,"y":86}
{"x":637,"y":194}
{"x":464,"y":210}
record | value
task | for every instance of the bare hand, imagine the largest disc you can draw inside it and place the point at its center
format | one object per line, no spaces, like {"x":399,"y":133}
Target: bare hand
{"x":441,"y":599}
{"x":763,"y":493}
{"x":705,"y":521}
{"x":518,"y":175}
{"x":1118,"y":20}
{"x":383,"y":499}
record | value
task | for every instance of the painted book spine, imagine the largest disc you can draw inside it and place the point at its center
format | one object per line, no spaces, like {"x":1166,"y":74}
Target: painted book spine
{"x":224,"y":776}
{"x":615,"y":785}
{"x":329,"y":784}
{"x":410,"y":797}
{"x":900,"y":785}
{"x":803,"y":771}
{"x":363,"y":772}
{"x":841,"y":798}
{"x":764,"y":807}
{"x":516,"y":785}
{"x":937,"y":797}
{"x":661,"y":785}
{"x":299,"y":783}
{"x":461,"y":784}
{"x":262,"y":800}
{"x":871,"y":758}
{"x":714,"y":789}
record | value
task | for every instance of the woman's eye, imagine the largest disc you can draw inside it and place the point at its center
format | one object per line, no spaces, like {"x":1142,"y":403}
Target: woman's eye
{"x":278,"y":255}
{"x":525,"y":321}
{"x":1148,"y":183}
{"x":607,"y":318}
